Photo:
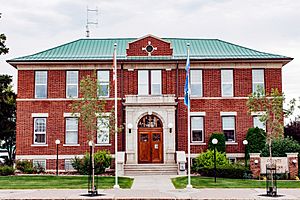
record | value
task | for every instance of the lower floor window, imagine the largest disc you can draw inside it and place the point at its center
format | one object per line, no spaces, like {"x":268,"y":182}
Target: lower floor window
{"x":71,"y":131}
{"x":257,"y":123}
{"x":103,"y":131}
{"x":232,"y":160}
{"x":228,"y":124}
{"x":39,"y":164}
{"x":197,"y":129}
{"x":68,"y":165}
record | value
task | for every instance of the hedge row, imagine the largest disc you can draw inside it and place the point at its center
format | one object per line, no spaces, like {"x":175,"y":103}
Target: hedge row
{"x":228,"y":171}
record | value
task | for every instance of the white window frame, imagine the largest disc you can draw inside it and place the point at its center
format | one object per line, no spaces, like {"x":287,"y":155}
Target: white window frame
{"x":202,"y":139}
{"x":258,"y":119}
{"x":223,"y":82}
{"x":40,"y":133}
{"x":70,"y":168}
{"x":257,"y":82}
{"x":99,"y":132}
{"x":43,"y":84}
{"x":71,"y":84}
{"x":152,"y":83}
{"x":103,"y":82}
{"x":196,"y":82}
{"x":232,"y":128}
{"x":41,"y":161}
{"x":66,"y":131}
{"x":141,"y":80}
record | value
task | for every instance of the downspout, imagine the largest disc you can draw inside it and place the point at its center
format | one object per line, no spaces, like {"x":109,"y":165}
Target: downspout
{"x":176,"y":110}
{"x":123,"y":110}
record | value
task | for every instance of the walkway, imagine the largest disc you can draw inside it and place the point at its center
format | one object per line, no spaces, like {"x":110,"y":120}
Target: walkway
{"x":154,"y":182}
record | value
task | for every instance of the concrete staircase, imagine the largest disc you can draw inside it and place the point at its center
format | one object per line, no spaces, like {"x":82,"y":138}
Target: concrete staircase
{"x":150,"y":169}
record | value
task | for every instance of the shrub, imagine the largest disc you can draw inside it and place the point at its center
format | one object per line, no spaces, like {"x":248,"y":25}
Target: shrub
{"x":102,"y":160}
{"x":281,"y":146}
{"x":256,"y":138}
{"x":25,"y":167}
{"x":221,"y":142}
{"x":6,"y":170}
{"x":227,"y":171}
{"x":206,"y":159}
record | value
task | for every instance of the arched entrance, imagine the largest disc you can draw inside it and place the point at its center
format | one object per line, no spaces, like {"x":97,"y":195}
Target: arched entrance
{"x":150,"y":140}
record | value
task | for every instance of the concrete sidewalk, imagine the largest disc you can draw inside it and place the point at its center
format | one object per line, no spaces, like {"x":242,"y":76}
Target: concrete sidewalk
{"x":148,"y":194}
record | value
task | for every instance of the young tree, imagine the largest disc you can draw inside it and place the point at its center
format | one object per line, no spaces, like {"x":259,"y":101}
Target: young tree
{"x":272,"y":113}
{"x":91,"y":109}
{"x":7,"y":117}
{"x":3,"y":48}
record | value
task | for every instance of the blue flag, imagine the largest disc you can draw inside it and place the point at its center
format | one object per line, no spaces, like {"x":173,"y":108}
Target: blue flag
{"x":186,"y":86}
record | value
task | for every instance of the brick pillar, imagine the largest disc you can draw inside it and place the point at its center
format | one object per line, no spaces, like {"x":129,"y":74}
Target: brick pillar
{"x":255,"y":164}
{"x":293,"y":164}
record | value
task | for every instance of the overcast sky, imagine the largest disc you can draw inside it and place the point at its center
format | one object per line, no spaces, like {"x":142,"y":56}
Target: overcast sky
{"x":272,"y":26}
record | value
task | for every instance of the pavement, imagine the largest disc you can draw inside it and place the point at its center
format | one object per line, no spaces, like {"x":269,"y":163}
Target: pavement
{"x":149,"y":187}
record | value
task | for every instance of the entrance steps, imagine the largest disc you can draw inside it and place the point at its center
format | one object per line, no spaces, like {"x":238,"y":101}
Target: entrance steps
{"x":150,"y":169}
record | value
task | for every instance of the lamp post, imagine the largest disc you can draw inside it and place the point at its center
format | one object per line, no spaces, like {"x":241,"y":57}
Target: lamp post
{"x":57,"y":142}
{"x":90,"y":179}
{"x":245,"y":142}
{"x":215,"y":142}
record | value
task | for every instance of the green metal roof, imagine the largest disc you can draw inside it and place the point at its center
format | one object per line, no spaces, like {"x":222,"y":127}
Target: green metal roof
{"x":102,"y":49}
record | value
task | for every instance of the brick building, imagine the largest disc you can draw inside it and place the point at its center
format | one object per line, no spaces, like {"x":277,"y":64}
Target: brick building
{"x":151,"y":77}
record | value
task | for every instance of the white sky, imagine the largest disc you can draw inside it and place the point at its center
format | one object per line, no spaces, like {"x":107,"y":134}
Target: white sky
{"x":265,"y":25}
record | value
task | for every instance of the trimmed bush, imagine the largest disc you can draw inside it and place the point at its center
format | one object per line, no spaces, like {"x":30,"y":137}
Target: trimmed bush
{"x":221,"y":142}
{"x":256,"y":138}
{"x":25,"y":167}
{"x":6,"y":170}
{"x":102,"y":160}
{"x":227,"y":171}
{"x":206,"y":159}
{"x":281,"y":146}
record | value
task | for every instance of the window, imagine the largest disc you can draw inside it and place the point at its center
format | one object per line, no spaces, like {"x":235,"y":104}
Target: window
{"x":39,"y":130}
{"x":103,"y":131}
{"x":232,"y":160}
{"x":258,"y":123}
{"x":258,"y":79}
{"x":71,"y":131}
{"x":227,"y":83}
{"x":103,"y":79}
{"x":68,"y":165}
{"x":154,"y":81}
{"x":228,"y":124}
{"x":72,"y":84}
{"x":39,"y":164}
{"x":197,"y":129}
{"x":196,"y":83}
{"x":40,"y":84}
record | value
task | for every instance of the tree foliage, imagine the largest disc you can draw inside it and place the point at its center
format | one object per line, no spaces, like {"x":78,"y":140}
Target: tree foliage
{"x":281,"y":146}
{"x":3,"y":48}
{"x":293,"y":130}
{"x":221,"y":142}
{"x":7,"y":117}
{"x":256,"y":138}
{"x":206,"y":159}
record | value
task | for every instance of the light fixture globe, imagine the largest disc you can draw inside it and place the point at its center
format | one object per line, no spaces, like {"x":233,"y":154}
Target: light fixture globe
{"x":90,"y":143}
{"x":129,"y":125}
{"x":215,"y":141}
{"x":57,"y":141}
{"x":245,"y":142}
{"x":170,"y":125}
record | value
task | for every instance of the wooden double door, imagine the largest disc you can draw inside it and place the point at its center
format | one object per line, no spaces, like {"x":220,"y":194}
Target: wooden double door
{"x":150,"y":145}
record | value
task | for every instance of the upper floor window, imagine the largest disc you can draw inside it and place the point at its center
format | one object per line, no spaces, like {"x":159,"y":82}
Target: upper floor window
{"x":196,"y":82}
{"x":39,"y":131}
{"x":145,"y":81}
{"x":227,"y":83}
{"x":103,"y":80}
{"x":72,"y":84}
{"x":40,"y":84}
{"x":258,"y":80}
{"x":257,"y":123}
{"x":103,"y":130}
{"x":71,"y":131}
{"x":197,"y":129}
{"x":228,"y":124}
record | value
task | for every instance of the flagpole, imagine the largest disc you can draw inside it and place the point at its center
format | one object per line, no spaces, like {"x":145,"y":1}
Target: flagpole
{"x":116,"y":186}
{"x":189,"y":185}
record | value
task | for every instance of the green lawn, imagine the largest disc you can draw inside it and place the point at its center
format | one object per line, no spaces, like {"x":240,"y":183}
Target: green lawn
{"x":208,"y":182}
{"x":59,"y":182}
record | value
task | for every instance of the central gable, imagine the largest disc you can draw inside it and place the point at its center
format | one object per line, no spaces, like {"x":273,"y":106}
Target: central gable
{"x":149,"y":45}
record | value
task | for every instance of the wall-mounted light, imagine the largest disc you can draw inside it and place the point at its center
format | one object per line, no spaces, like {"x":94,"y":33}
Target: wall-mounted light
{"x":129,"y":126}
{"x":170,"y":126}
{"x":256,"y":162}
{"x":294,"y":161}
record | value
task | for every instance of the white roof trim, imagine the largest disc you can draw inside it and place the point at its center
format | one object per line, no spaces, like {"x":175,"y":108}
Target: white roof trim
{"x":228,"y":113}
{"x":39,"y":115}
{"x":149,"y":35}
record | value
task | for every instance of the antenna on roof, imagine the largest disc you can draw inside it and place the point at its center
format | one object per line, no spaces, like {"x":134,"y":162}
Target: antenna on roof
{"x":88,"y":21}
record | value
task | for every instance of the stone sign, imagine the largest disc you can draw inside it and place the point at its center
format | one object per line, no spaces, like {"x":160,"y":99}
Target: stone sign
{"x":281,"y":164}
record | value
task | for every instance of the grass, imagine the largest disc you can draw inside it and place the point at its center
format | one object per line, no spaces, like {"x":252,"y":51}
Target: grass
{"x":208,"y":182}
{"x":59,"y":182}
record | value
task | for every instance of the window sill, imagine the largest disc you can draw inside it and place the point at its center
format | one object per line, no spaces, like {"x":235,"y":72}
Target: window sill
{"x":39,"y":145}
{"x":231,"y":143}
{"x":198,"y":143}
{"x":102,"y":145}
{"x":71,"y":145}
